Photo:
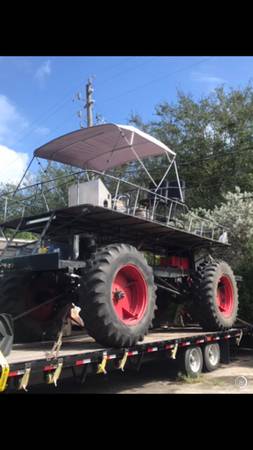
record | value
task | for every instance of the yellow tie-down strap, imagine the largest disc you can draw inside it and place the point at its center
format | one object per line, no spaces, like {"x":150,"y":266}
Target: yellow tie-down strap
{"x":52,"y":378}
{"x":102,"y":365}
{"x":5,"y":372}
{"x":25,"y":378}
{"x":123,"y":361}
{"x":174,"y":351}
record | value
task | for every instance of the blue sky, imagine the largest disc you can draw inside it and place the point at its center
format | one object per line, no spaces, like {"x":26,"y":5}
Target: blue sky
{"x":36,"y":94}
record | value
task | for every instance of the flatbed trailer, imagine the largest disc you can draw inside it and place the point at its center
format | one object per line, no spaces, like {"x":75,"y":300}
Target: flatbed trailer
{"x":80,"y":356}
{"x":117,"y":250}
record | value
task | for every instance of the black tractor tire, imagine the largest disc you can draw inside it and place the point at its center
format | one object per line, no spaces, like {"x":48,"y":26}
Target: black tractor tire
{"x":216,"y":296}
{"x":211,"y":353}
{"x":18,"y":293}
{"x":99,"y":298}
{"x":191,"y":362}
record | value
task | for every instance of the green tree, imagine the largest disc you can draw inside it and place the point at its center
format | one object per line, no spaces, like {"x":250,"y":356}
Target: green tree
{"x":47,"y":189}
{"x":236,"y":213}
{"x":213,"y":140}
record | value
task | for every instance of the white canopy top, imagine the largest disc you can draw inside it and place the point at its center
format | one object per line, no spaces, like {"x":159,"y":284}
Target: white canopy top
{"x":102,"y":147}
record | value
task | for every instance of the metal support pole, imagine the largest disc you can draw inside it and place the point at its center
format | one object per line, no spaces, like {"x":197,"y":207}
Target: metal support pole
{"x":170,"y":210}
{"x":9,"y":241}
{"x":29,"y":165}
{"x":116,"y":195}
{"x":136,"y":201}
{"x":178,"y":181}
{"x":5,"y":208}
{"x":164,"y":176}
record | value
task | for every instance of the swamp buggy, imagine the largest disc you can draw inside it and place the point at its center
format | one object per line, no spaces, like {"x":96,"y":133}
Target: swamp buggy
{"x":119,"y":251}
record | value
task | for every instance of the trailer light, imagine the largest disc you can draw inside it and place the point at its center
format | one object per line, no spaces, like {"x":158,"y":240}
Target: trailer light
{"x":49,"y":368}
{"x":16,"y":373}
{"x":80,"y":362}
{"x":152,"y":349}
{"x":135,"y":352}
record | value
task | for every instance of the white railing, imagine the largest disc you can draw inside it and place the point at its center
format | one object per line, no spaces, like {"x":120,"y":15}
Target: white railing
{"x":127,"y":198}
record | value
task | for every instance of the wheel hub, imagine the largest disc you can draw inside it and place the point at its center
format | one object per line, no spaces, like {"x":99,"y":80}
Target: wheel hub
{"x":225,"y":296}
{"x":129,"y":294}
{"x":213,"y":355}
{"x":118,"y":295}
{"x":194,"y":360}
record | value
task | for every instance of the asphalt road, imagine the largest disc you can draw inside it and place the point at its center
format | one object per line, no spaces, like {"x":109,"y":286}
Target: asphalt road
{"x":161,"y":377}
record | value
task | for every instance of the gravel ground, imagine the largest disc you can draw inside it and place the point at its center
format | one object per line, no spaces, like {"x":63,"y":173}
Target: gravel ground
{"x":161,"y":378}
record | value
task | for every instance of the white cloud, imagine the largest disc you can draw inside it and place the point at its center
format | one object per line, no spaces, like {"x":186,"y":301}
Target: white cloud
{"x":12,"y":165}
{"x":12,"y":123}
{"x":43,"y":72}
{"x":206,"y":78}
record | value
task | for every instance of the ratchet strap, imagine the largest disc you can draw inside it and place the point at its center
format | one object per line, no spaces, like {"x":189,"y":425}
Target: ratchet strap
{"x":25,"y":378}
{"x":239,"y":338}
{"x":123,"y":361}
{"x":4,"y":373}
{"x":174,"y":351}
{"x":54,"y":353}
{"x":102,"y":365}
{"x":52,"y":378}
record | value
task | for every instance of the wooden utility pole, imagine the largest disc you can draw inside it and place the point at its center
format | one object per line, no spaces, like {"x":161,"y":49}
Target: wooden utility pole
{"x":89,"y":103}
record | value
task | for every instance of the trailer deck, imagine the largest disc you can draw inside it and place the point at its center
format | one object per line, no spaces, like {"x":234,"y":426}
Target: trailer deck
{"x":83,"y":344}
{"x":80,"y":355}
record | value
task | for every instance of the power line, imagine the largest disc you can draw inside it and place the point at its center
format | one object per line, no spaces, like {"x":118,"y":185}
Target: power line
{"x":193,"y":161}
{"x":58,"y":105}
{"x":127,"y":92}
{"x":63,"y":122}
{"x":122,"y":73}
{"x":68,"y":97}
{"x":157,"y":79}
{"x":128,"y":70}
{"x":215,"y":156}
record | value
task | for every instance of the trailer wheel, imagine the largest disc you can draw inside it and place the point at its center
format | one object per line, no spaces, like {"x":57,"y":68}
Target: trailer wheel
{"x":117,"y":296}
{"x":19,"y":293}
{"x":217,"y":296}
{"x":211,"y":357}
{"x":191,"y":361}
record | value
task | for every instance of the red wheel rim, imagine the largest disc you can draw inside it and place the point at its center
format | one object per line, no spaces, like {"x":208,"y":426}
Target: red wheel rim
{"x":225,"y":296}
{"x":129,"y":295}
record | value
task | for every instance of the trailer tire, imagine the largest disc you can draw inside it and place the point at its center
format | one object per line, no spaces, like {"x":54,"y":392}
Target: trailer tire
{"x":191,"y":361}
{"x":211,"y":354}
{"x":18,"y":294}
{"x":216,"y":296}
{"x":117,"y":296}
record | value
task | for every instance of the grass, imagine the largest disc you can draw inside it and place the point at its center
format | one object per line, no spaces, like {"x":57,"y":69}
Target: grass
{"x":189,"y":380}
{"x":201,"y":379}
